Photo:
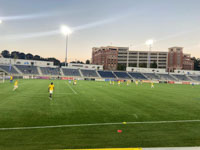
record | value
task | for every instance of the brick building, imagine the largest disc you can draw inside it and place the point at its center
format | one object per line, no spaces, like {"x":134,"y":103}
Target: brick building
{"x":188,"y":64}
{"x":106,"y":56}
{"x":111,"y":57}
{"x":177,"y":60}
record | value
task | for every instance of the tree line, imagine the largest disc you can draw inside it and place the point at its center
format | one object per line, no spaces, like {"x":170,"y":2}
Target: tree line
{"x":196,"y":63}
{"x":29,"y":56}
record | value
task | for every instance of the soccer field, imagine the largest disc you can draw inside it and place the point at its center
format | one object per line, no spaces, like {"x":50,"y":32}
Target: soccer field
{"x":92,"y":112}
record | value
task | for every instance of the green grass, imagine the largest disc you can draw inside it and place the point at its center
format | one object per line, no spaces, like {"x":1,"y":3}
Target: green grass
{"x":98,"y":102}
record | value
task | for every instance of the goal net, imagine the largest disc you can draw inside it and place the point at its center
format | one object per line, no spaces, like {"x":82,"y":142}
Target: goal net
{"x":2,"y":77}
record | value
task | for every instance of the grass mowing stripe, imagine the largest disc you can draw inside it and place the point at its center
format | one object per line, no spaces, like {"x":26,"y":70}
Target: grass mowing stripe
{"x":71,"y":88}
{"x":99,"y":124}
{"x":98,"y":102}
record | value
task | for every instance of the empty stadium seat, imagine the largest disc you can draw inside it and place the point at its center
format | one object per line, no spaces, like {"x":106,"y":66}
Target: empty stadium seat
{"x":181,"y":77}
{"x":122,"y":75}
{"x":71,"y":72}
{"x":50,"y":71}
{"x":195,"y":78}
{"x":27,"y":69}
{"x":152,"y":76}
{"x":106,"y":74}
{"x":137,"y":75}
{"x":8,"y":69}
{"x":166,"y":77}
{"x":89,"y":73}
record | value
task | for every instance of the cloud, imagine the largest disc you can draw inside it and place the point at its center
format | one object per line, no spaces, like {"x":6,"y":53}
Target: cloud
{"x":28,"y":16}
{"x":57,"y":31}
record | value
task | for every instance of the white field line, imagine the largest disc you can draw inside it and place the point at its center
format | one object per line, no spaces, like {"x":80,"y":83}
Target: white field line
{"x":72,"y":88}
{"x":48,"y":93}
{"x":136,"y":116}
{"x":98,"y":124}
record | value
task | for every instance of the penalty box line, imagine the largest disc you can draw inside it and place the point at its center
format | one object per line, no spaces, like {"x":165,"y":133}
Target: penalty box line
{"x":99,"y":124}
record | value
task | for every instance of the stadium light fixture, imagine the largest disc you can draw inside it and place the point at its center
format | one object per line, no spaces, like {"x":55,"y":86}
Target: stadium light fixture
{"x":149,"y":42}
{"x":66,"y":31}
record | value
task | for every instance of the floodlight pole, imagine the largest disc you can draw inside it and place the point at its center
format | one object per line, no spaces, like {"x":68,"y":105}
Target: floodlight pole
{"x":67,"y":36}
{"x":127,"y":58}
{"x":127,"y":62}
{"x":149,"y":58}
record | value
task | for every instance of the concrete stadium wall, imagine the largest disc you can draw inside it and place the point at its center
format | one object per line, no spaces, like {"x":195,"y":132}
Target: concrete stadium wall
{"x":8,"y":61}
{"x":84,"y":66}
{"x":145,"y":70}
{"x":187,"y":72}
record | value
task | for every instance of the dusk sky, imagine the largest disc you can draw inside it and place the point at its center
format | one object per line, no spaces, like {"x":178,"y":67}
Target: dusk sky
{"x":33,"y":26}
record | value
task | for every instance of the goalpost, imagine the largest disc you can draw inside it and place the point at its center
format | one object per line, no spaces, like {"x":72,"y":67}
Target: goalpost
{"x":2,"y":77}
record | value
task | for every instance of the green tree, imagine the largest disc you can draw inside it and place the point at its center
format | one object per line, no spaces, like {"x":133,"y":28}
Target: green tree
{"x":121,"y":67}
{"x":87,"y":61}
{"x":133,"y":65}
{"x":143,"y":65}
{"x":56,"y":62}
{"x":154,"y":65}
{"x":196,"y":63}
{"x":5,"y":54}
{"x":22,"y":56}
{"x":29,"y":56}
{"x":15,"y":55}
{"x":36,"y":57}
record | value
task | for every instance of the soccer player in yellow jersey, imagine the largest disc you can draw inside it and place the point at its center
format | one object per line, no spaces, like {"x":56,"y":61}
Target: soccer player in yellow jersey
{"x":50,"y":89}
{"x":118,"y":82}
{"x":136,"y":82}
{"x":127,"y":82}
{"x":74,"y":83}
{"x":15,"y":85}
{"x":152,"y":85}
{"x":113,"y":82}
{"x":11,"y":79}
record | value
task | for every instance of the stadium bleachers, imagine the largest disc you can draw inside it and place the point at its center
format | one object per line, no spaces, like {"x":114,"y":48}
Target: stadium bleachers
{"x":71,"y":72}
{"x":106,"y":74}
{"x":137,"y":75}
{"x":152,"y":76}
{"x":166,"y":77}
{"x":27,"y":69}
{"x":181,"y":77}
{"x":50,"y":71}
{"x":195,"y":78}
{"x":89,"y":73}
{"x":8,"y":69}
{"x":122,"y":75}
{"x":33,"y":70}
